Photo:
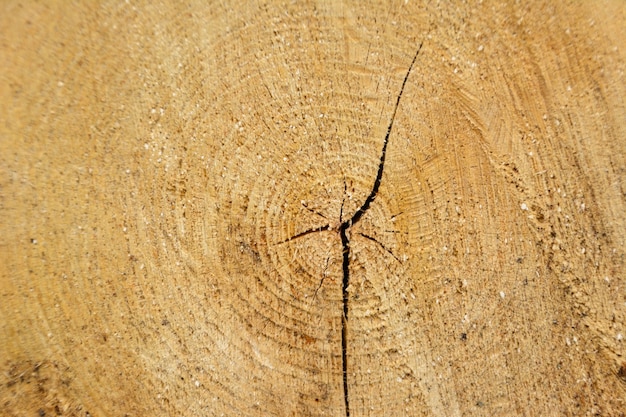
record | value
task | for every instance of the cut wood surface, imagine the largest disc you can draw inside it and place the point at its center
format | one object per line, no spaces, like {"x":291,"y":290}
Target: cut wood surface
{"x":267,"y":210}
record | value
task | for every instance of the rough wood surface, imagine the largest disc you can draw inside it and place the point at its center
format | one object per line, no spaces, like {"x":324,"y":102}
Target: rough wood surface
{"x":176,"y":180}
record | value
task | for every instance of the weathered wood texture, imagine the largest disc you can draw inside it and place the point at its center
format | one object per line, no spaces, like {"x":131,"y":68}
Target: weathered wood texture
{"x":157,"y":159}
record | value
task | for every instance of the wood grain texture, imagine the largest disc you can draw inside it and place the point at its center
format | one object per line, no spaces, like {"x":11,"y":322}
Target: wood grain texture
{"x":157,"y":159}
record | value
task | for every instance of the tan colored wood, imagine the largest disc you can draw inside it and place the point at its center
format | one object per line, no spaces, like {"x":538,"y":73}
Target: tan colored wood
{"x":156,"y":158}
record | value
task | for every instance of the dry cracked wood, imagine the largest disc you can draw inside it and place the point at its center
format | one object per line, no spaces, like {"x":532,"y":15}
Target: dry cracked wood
{"x":197,"y":219}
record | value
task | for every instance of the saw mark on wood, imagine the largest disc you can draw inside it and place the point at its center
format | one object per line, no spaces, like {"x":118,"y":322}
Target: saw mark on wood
{"x":343,"y":228}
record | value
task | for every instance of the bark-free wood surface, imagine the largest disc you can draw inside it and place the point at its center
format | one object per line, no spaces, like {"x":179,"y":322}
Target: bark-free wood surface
{"x":156,"y":159}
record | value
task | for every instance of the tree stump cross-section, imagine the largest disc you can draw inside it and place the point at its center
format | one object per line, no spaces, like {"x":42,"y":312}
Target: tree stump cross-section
{"x":343,"y":227}
{"x":264,"y":209}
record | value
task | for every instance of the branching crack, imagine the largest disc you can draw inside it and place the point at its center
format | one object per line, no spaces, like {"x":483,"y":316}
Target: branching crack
{"x":343,"y":228}
{"x":345,"y":241}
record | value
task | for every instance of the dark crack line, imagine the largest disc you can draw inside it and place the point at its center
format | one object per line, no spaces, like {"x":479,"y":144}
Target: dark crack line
{"x":392,"y":218}
{"x":323,"y":278}
{"x":306,"y":232}
{"x":313,"y":211}
{"x":381,"y":245}
{"x":381,"y":166}
{"x":343,"y":200}
{"x":345,"y":241}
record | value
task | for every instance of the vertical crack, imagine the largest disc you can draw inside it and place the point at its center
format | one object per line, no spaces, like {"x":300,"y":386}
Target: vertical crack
{"x":345,"y":241}
{"x":381,"y":166}
{"x":343,"y":227}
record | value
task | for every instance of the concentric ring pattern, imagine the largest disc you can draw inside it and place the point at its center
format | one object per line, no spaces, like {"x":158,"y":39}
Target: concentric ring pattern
{"x":287,"y":184}
{"x":178,"y":179}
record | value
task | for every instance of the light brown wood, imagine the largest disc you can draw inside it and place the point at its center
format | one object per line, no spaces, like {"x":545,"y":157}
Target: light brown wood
{"x":157,"y":159}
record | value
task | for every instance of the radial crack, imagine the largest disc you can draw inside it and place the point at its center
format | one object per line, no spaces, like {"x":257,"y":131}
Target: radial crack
{"x":345,"y":241}
{"x":381,"y":245}
{"x":313,"y":211}
{"x":343,"y":228}
{"x":306,"y":232}
{"x":381,"y":166}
